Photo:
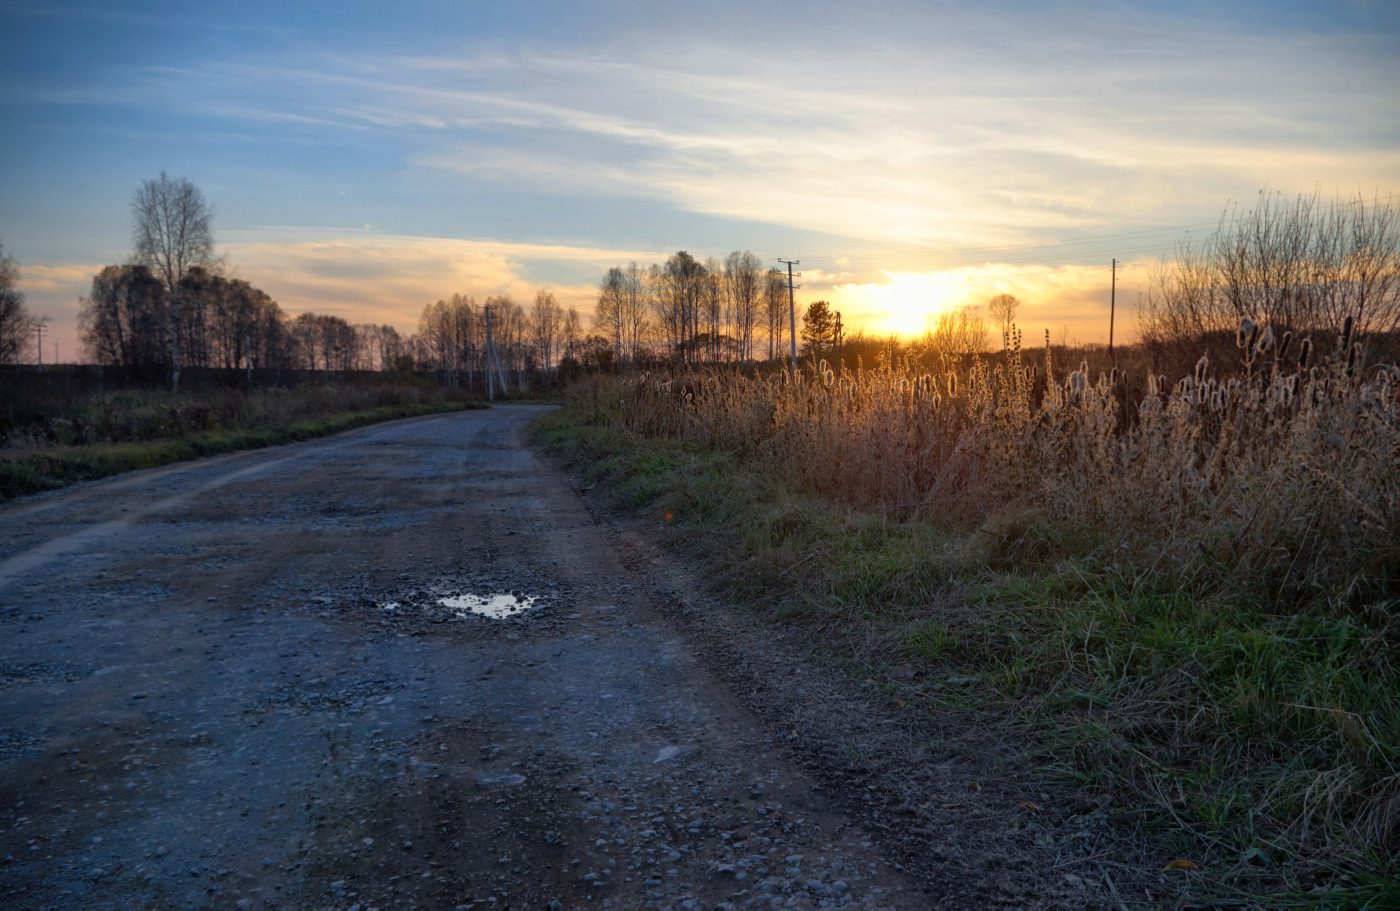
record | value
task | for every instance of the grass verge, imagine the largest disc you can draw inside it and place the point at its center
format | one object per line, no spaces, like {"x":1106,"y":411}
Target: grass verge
{"x":55,"y":466}
{"x":1260,"y":747}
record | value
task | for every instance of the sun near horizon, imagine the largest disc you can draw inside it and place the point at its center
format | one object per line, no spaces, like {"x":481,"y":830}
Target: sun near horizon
{"x":407,"y":155}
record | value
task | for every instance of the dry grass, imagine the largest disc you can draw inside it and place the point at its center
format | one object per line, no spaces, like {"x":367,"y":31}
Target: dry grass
{"x":1186,"y":590}
{"x":1279,"y":481}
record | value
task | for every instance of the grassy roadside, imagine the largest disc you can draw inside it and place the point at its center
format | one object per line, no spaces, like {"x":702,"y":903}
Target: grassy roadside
{"x":49,"y":466}
{"x":1261,"y":747}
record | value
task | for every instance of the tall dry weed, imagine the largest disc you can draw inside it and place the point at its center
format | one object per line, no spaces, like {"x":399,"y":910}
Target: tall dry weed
{"x":1280,"y":478}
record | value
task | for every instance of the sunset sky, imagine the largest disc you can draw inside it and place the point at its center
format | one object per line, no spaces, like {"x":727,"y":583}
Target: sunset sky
{"x":366,"y":159}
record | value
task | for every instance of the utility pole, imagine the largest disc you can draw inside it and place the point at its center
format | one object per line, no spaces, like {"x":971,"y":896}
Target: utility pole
{"x":39,"y":328}
{"x":1112,"y":300}
{"x":490,"y":380}
{"x":492,"y":358}
{"x":792,"y":312}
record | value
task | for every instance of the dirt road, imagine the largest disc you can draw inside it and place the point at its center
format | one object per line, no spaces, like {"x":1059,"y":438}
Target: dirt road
{"x":246,"y":682}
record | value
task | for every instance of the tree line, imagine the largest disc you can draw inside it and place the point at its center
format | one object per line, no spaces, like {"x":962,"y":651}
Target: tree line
{"x":692,"y":311}
{"x":1299,"y":265}
{"x":128,"y":320}
{"x":539,"y":340}
{"x":685,"y":311}
{"x":173,"y":306}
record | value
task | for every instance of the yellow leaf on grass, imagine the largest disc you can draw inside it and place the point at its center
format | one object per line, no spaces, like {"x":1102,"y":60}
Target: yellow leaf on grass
{"x":1181,"y":865}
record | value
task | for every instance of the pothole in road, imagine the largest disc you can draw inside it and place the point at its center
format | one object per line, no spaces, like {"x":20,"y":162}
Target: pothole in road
{"x":497,"y":606}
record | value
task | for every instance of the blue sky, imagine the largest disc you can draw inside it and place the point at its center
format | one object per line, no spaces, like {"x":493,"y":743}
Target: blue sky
{"x":367,"y":159}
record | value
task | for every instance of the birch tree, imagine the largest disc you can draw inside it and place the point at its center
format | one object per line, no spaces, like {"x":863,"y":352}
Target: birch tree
{"x":545,"y":323}
{"x":172,"y":233}
{"x":743,"y":286}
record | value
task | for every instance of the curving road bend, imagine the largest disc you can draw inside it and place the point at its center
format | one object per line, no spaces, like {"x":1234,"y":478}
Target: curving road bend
{"x":253,"y":682}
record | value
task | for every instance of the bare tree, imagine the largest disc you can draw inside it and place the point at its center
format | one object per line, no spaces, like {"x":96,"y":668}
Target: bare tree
{"x":636,"y":305}
{"x":452,"y":339}
{"x":15,"y":322}
{"x":743,"y":286}
{"x":624,"y":297}
{"x":678,"y":295}
{"x":608,"y":314}
{"x":544,"y":326}
{"x":1301,"y":265}
{"x":1002,"y":309}
{"x":955,"y":333}
{"x":172,"y":232}
{"x":573,"y":334}
{"x":712,"y":307}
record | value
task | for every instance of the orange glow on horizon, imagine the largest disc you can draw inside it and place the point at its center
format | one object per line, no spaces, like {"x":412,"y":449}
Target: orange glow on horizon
{"x":1071,"y":301}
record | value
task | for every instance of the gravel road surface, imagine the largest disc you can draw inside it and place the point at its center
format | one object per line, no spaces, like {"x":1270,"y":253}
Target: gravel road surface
{"x":258,"y":681}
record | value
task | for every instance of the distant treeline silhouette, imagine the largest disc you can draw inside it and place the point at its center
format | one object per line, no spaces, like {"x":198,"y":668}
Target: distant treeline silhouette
{"x":688,"y":311}
{"x":223,"y":322}
{"x":1298,"y":265}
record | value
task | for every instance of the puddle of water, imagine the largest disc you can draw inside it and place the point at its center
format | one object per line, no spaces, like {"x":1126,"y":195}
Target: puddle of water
{"x":497,"y":606}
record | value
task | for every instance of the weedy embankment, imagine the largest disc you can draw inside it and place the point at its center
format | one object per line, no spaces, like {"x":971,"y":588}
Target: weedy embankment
{"x":54,"y":439}
{"x":1182,"y":594}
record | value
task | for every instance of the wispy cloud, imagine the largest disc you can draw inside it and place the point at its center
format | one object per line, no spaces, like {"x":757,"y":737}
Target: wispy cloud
{"x":995,"y":131}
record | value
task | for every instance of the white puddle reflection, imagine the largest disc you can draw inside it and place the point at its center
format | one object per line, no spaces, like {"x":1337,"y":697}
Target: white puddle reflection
{"x":497,"y":606}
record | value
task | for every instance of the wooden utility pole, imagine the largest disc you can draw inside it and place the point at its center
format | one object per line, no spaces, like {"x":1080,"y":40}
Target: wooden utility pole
{"x":492,"y":358}
{"x":1112,"y":300}
{"x":39,"y":328}
{"x":792,"y":312}
{"x":490,"y":380}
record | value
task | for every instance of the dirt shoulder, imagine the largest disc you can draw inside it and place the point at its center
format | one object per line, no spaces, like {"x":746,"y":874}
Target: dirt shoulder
{"x":959,"y":806}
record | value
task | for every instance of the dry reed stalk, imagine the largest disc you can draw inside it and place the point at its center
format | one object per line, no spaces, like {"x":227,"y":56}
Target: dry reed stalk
{"x":1285,"y":477}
